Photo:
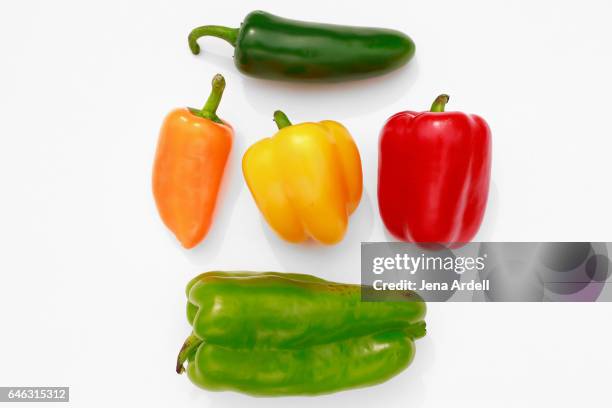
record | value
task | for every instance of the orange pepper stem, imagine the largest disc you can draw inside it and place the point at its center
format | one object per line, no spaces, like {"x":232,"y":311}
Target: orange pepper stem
{"x":440,"y":103}
{"x":282,"y":121}
{"x":209,"y":111}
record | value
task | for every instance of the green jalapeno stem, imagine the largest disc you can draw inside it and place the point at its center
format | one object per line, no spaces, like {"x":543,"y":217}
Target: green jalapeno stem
{"x":282,"y":121}
{"x":190,"y":345}
{"x":209,"y":111}
{"x":225,"y":33}
{"x":440,"y":103}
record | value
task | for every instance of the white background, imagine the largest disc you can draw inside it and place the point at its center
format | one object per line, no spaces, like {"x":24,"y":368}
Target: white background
{"x":92,"y":284}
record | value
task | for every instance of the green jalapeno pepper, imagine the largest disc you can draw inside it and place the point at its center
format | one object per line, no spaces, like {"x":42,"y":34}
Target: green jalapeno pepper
{"x":271,"y":47}
{"x":289,"y":334}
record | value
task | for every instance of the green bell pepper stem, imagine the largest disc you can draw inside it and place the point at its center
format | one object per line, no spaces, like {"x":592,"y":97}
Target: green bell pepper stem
{"x":440,"y":103}
{"x":282,"y":121}
{"x":190,"y":346}
{"x":209,"y":111}
{"x":225,"y":33}
{"x":417,"y":330}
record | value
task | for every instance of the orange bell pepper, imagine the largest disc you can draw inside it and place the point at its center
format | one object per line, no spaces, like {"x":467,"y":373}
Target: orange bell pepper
{"x":191,"y":156}
{"x":306,"y":180}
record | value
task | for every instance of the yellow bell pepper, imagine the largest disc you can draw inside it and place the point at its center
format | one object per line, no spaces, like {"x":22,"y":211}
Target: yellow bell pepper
{"x":306,"y":179}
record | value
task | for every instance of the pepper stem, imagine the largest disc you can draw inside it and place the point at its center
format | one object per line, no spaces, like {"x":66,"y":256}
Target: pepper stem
{"x":440,"y":103}
{"x":189,"y":347}
{"x":282,"y":121}
{"x":417,"y":330}
{"x":225,"y":33}
{"x":209,"y":111}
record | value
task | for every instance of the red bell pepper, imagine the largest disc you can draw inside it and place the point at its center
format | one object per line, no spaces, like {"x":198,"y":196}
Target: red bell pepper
{"x":433,"y":175}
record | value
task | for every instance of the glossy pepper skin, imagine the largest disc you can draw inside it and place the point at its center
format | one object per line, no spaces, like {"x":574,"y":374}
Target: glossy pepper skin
{"x":434,"y":173}
{"x":306,"y":180}
{"x":191,"y":156}
{"x":274,"y":334}
{"x":271,"y":47}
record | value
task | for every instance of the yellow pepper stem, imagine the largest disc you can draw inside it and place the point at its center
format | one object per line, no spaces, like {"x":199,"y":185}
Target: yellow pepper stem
{"x":282,"y":121}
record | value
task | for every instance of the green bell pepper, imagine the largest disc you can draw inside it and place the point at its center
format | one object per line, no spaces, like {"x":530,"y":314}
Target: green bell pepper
{"x":271,"y":47}
{"x":278,"y":334}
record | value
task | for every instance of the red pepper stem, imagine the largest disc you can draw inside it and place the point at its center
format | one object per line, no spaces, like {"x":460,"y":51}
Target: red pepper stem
{"x":440,"y":103}
{"x":209,"y":111}
{"x":189,"y":347}
{"x":225,"y":33}
{"x":282,"y":121}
